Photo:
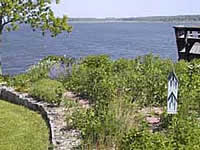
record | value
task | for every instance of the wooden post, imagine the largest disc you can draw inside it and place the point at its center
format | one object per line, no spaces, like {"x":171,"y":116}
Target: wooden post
{"x":187,"y":51}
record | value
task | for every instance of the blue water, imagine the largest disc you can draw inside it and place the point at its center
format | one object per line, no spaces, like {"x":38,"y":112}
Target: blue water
{"x":23,"y":48}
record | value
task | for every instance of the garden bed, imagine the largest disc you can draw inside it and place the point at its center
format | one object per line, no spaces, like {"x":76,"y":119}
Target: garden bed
{"x":116,"y":104}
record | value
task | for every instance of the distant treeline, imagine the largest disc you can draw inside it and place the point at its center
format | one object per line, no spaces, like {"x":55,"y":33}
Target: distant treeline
{"x":182,"y":18}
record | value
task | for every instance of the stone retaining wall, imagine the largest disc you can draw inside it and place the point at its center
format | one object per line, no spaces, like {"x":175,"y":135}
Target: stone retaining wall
{"x":59,"y":136}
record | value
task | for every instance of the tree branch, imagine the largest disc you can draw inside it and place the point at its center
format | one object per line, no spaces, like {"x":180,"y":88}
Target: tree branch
{"x":1,"y":24}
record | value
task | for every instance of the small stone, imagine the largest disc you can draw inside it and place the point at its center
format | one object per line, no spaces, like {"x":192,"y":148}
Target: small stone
{"x":158,"y":111}
{"x":153,"y":120}
{"x":83,"y":102}
{"x":69,"y":94}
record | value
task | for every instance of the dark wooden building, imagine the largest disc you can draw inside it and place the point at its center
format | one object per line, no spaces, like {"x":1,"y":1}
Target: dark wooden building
{"x":188,"y":42}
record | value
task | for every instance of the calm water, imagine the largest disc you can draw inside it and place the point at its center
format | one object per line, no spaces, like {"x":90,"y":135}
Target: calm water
{"x":22,"y":48}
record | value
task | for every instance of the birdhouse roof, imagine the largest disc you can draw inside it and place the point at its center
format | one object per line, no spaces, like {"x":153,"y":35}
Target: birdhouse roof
{"x":172,"y":75}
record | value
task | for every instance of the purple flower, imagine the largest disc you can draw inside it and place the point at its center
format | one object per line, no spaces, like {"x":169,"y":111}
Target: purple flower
{"x":60,"y":70}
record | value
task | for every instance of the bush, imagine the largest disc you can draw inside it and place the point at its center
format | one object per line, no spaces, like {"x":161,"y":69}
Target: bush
{"x":141,"y":139}
{"x":55,"y":59}
{"x":185,"y":133}
{"x":182,"y":134}
{"x":92,"y":79}
{"x":47,"y":90}
{"x":140,"y":81}
{"x":96,"y":127}
{"x":22,"y":82}
{"x":1,"y":79}
{"x":42,"y":70}
{"x":101,"y":79}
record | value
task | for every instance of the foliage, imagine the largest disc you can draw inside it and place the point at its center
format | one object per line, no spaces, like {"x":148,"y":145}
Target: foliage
{"x":104,"y":127}
{"x":94,"y":128}
{"x":183,"y":133}
{"x":117,"y":90}
{"x":55,"y":59}
{"x":101,"y":79}
{"x":92,"y":79}
{"x":22,"y":82}
{"x":21,"y":129}
{"x":36,"y":13}
{"x":142,"y":139}
{"x":47,"y":90}
{"x":113,"y":86}
{"x":2,"y":79}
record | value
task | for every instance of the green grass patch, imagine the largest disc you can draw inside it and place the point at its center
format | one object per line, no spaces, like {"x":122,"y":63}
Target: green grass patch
{"x":48,"y":90}
{"x":21,"y":129}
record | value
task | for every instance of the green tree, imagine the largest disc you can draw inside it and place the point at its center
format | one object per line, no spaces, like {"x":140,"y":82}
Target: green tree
{"x":37,"y":13}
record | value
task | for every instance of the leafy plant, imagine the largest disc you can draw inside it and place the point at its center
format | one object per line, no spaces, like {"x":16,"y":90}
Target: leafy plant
{"x":95,"y":127}
{"x":23,"y":82}
{"x":47,"y":90}
{"x":183,"y":133}
{"x":113,"y":86}
{"x":101,"y":79}
{"x":117,"y":90}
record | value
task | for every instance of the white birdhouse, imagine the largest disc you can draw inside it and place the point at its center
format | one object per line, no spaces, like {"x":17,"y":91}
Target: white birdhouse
{"x":172,"y":94}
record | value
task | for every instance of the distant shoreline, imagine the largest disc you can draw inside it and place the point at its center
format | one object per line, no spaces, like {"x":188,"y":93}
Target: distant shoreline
{"x":151,"y":19}
{"x":175,"y":22}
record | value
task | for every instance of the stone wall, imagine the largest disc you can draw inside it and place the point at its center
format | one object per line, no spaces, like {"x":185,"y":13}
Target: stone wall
{"x":54,"y":116}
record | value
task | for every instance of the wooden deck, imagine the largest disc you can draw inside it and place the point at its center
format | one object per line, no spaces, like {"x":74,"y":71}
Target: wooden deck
{"x":194,"y":50}
{"x":188,"y":42}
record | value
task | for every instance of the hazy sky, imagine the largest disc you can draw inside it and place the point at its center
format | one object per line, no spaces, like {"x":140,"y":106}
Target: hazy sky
{"x":126,"y":8}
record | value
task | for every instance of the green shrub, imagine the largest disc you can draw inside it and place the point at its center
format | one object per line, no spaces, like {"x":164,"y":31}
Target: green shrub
{"x":142,"y":139}
{"x":99,"y":61}
{"x":47,"y":90}
{"x":182,"y":134}
{"x":22,"y":82}
{"x":100,"y":79}
{"x":147,"y":81}
{"x":1,"y":79}
{"x":55,"y":59}
{"x":185,"y":133}
{"x":140,"y":81}
{"x":92,"y":79}
{"x":96,"y":127}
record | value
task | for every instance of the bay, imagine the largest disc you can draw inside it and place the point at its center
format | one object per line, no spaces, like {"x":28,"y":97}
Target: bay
{"x":22,"y":48}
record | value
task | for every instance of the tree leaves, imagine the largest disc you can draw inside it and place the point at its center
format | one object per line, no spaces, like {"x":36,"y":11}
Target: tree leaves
{"x":37,"y":13}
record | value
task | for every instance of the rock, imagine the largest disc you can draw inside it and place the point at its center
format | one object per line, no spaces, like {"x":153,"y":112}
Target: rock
{"x":153,"y":120}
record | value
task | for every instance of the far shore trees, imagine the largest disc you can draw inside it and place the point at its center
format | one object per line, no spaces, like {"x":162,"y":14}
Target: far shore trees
{"x":37,"y":13}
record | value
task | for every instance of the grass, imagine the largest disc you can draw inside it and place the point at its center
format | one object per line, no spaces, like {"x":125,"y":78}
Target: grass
{"x":21,"y":129}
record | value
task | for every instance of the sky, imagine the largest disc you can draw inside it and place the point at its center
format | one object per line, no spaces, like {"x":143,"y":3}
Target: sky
{"x":125,"y":8}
